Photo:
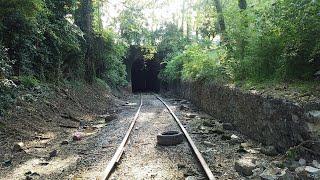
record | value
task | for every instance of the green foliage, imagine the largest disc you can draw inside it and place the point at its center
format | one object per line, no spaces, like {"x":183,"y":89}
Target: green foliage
{"x":109,"y":57}
{"x":196,"y":63}
{"x":5,"y":63}
{"x":7,"y":94}
{"x":278,"y":41}
{"x":29,"y":81}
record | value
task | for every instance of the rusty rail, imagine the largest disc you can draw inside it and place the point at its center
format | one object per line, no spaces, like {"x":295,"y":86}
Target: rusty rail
{"x":191,"y":143}
{"x":116,"y":157}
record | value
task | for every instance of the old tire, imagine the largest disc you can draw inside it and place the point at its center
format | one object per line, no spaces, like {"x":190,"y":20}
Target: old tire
{"x":170,"y":138}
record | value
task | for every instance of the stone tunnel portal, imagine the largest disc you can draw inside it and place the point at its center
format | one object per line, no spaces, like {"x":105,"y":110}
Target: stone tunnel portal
{"x":144,"y":76}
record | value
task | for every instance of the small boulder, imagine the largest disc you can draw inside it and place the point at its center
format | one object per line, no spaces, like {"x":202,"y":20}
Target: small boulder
{"x":191,"y":178}
{"x":208,"y":143}
{"x":110,"y":117}
{"x":77,"y":136}
{"x":233,"y":136}
{"x":190,"y":115}
{"x":53,"y":153}
{"x":7,"y":163}
{"x":302,"y":162}
{"x":276,"y":173}
{"x":245,"y":166}
{"x":181,"y":166}
{"x":18,"y":147}
{"x":312,"y":172}
{"x":316,"y":164}
{"x":65,"y":142}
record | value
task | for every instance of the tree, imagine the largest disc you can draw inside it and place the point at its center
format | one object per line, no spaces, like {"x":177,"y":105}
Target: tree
{"x":84,"y":21}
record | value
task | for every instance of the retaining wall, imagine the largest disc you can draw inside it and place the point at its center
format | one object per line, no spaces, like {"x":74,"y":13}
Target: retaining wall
{"x":270,"y":121}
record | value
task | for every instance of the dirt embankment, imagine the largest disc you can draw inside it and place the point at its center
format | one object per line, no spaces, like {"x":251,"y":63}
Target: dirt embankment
{"x":44,"y":120}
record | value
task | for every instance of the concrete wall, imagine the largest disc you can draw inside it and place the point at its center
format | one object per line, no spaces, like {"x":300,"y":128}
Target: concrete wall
{"x":270,"y":121}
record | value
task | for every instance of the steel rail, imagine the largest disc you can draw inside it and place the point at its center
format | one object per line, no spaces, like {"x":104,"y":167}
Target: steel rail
{"x":116,"y":157}
{"x":191,"y":143}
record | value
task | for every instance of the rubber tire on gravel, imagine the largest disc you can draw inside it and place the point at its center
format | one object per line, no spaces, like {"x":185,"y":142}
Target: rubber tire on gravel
{"x":170,"y":138}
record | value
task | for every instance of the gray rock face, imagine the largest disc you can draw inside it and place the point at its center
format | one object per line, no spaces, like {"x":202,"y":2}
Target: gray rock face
{"x":245,"y":166}
{"x":265,"y":119}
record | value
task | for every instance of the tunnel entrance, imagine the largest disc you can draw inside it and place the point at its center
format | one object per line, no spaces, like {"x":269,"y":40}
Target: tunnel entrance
{"x":144,"y":76}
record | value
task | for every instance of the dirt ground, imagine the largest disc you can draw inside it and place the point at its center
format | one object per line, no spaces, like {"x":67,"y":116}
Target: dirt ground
{"x":47,"y":120}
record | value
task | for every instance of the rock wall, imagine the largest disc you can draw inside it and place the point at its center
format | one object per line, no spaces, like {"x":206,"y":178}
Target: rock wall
{"x":270,"y":121}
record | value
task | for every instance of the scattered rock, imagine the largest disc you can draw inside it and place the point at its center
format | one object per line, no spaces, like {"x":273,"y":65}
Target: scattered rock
{"x":35,"y":174}
{"x":314,"y":114}
{"x":302,"y":162}
{"x":245,"y":145}
{"x":216,"y":131}
{"x":77,"y":136}
{"x":269,"y":151}
{"x":108,"y":117}
{"x":276,"y":173}
{"x":208,"y":143}
{"x":234,"y":136}
{"x":191,"y":178}
{"x":299,"y":170}
{"x":256,"y":172}
{"x":7,"y":163}
{"x":312,"y":172}
{"x":228,"y":126}
{"x":181,"y":166}
{"x":65,"y":142}
{"x":44,"y":164}
{"x":315,"y":164}
{"x":183,"y":107}
{"x":53,"y":153}
{"x":189,"y":115}
{"x":28,"y":173}
{"x":245,"y":166}
{"x":18,"y":147}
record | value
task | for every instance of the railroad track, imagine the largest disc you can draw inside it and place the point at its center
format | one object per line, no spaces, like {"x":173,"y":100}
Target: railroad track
{"x":117,"y":156}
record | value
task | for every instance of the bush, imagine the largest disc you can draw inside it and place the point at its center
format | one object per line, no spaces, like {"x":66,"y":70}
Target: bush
{"x":5,"y":63}
{"x":274,"y":41}
{"x":196,"y":63}
{"x":29,"y":81}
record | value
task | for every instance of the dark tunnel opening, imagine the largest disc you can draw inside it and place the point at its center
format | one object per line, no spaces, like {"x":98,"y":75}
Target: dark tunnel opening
{"x":144,"y":76}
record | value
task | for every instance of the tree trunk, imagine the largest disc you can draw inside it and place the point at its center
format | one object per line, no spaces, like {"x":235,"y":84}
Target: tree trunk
{"x":242,"y":4}
{"x":85,"y":23}
{"x":222,"y":27}
{"x":243,"y":42}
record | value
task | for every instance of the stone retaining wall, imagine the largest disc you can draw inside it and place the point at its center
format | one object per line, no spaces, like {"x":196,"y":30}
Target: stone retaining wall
{"x":270,"y":121}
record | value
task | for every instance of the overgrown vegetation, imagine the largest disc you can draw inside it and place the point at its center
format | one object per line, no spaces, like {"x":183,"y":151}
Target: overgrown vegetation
{"x":269,"y":41}
{"x":52,"y":41}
